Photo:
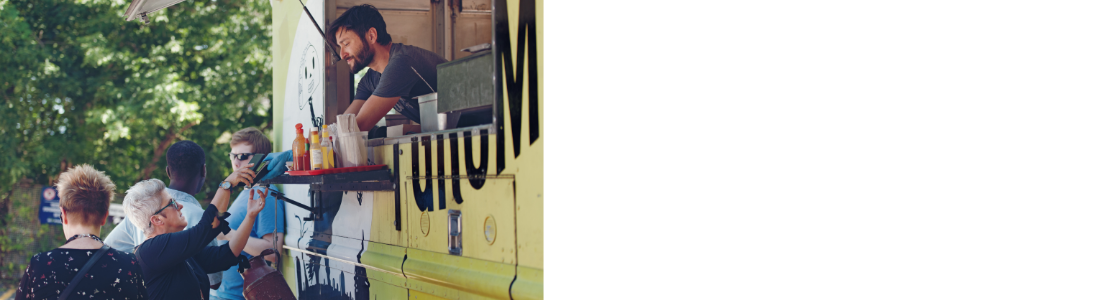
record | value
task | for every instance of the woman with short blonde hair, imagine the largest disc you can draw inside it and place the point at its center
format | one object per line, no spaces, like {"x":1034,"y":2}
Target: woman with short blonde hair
{"x":83,"y":268}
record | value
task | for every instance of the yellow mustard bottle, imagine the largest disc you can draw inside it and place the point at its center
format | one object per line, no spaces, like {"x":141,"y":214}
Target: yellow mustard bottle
{"x":315,"y":156}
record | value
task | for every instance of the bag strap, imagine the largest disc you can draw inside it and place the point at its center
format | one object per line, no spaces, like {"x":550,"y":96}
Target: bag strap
{"x":83,"y":270}
{"x":197,"y":280}
{"x":142,"y":265}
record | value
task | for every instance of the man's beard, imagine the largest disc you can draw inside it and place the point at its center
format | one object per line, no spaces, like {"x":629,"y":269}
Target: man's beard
{"x":362,"y":59}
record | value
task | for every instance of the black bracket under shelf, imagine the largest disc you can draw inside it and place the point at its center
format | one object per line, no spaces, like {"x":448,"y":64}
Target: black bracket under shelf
{"x":376,"y":180}
{"x":377,"y":176}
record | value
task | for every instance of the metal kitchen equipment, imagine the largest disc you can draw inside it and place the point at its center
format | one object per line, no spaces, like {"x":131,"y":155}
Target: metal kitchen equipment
{"x":465,"y":85}
{"x":429,"y":118}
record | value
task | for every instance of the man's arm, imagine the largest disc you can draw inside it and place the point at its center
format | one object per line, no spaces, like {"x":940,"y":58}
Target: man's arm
{"x":253,"y":246}
{"x":369,"y":112}
{"x":238,"y":240}
{"x":355,"y":106}
{"x":268,"y":237}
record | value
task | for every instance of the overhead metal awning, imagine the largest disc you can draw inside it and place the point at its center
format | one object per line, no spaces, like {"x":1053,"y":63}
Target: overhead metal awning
{"x":139,"y":8}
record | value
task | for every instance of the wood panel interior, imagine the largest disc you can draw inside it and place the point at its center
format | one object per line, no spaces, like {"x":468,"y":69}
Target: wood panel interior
{"x":410,"y":23}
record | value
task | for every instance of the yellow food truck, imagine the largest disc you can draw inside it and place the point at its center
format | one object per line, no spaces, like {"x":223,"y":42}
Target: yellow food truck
{"x":455,"y":212}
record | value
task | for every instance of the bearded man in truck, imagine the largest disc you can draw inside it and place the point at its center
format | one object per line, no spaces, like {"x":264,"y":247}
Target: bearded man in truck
{"x":397,"y":72}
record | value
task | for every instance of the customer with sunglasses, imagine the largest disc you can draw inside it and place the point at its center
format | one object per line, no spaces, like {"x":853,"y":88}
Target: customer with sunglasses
{"x":267,"y":231}
{"x":175,"y":261}
{"x":83,"y":268}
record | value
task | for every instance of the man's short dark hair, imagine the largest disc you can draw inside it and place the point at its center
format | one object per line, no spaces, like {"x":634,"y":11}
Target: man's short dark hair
{"x":185,"y":159}
{"x":359,"y":19}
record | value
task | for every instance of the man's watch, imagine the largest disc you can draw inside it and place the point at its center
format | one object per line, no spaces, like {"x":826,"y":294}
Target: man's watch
{"x":225,"y":185}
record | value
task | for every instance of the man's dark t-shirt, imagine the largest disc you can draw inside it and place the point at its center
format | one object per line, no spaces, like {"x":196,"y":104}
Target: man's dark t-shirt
{"x":400,"y":79}
{"x":176,"y":264}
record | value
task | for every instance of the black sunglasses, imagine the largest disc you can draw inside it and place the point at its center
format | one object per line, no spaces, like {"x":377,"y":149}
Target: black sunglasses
{"x":241,"y":156}
{"x":171,"y":203}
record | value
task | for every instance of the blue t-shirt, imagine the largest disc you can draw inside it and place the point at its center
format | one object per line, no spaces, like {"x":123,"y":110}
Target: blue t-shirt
{"x":267,"y":221}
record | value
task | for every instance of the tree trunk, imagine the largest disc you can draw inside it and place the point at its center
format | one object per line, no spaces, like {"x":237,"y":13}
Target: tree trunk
{"x":271,"y":115}
{"x":5,"y":204}
{"x":164,"y":143}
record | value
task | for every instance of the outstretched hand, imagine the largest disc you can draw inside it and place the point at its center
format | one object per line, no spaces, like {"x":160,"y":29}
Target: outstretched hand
{"x":257,"y":198}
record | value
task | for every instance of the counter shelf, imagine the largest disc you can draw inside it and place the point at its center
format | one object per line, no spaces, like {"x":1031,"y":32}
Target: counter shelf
{"x":374,"y":180}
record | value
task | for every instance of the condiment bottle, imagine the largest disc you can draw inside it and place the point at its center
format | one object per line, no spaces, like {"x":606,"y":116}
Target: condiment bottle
{"x":300,"y":150}
{"x":336,"y":163}
{"x":316,"y":156}
{"x":326,"y":148}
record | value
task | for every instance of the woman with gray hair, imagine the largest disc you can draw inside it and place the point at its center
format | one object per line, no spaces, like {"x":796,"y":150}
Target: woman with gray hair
{"x":175,"y":261}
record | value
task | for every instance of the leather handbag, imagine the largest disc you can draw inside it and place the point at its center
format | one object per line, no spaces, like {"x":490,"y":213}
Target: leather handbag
{"x":262,"y":282}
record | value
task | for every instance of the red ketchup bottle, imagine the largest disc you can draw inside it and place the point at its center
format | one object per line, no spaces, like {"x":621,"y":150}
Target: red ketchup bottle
{"x":300,"y":150}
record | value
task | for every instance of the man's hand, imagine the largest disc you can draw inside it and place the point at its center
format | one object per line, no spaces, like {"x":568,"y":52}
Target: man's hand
{"x":243,"y":174}
{"x":256,"y":204}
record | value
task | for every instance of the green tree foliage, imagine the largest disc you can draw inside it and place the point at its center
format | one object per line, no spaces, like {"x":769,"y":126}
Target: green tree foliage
{"x":82,"y":85}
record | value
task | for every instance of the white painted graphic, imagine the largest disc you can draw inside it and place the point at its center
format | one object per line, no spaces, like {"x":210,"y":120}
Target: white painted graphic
{"x":340,"y":231}
{"x":309,"y":82}
{"x":308,"y":76}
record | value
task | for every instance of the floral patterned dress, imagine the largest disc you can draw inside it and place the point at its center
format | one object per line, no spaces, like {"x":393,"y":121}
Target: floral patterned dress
{"x":116,"y":275}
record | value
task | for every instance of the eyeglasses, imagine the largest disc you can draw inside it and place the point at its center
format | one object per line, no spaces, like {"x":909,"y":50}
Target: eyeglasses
{"x":241,"y":156}
{"x":171,"y":203}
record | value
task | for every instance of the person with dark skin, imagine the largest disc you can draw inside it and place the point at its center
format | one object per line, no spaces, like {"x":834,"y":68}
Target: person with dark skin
{"x":186,"y":175}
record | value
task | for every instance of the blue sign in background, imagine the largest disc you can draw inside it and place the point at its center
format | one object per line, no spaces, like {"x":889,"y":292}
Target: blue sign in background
{"x":50,"y":210}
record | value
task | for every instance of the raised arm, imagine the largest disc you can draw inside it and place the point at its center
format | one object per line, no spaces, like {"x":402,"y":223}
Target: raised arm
{"x":169,"y":249}
{"x":221,"y":198}
{"x":239,"y":238}
{"x":269,"y":220}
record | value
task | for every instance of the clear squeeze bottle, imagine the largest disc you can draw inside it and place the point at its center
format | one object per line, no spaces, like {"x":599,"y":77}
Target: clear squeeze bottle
{"x":336,"y":163}
{"x":326,"y":148}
